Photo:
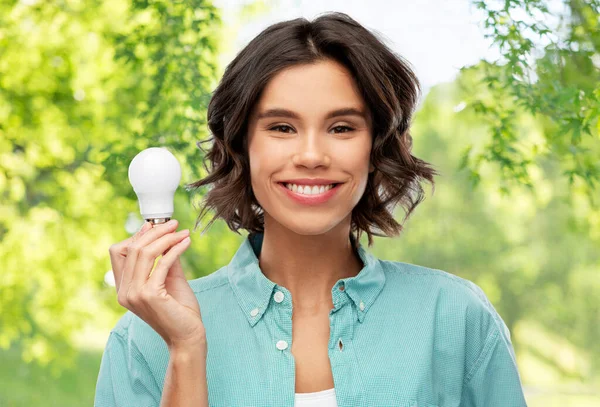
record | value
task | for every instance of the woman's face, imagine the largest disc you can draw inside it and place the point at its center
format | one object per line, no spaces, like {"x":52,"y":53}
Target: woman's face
{"x":294,"y":132}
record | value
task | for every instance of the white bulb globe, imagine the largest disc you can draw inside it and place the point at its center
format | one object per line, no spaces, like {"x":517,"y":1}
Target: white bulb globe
{"x":154,"y":175}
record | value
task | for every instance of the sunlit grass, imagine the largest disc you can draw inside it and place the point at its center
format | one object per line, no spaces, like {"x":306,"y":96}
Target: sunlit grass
{"x":30,"y":385}
{"x":562,"y":400}
{"x":553,"y":370}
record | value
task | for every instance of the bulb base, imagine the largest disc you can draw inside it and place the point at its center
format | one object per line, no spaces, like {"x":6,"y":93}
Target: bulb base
{"x":157,"y":221}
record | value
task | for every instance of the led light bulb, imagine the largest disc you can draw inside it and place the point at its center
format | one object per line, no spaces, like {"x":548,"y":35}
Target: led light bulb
{"x":154,"y":175}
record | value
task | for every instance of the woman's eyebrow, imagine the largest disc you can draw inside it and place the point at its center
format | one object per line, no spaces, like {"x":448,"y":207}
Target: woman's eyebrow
{"x":279,"y":112}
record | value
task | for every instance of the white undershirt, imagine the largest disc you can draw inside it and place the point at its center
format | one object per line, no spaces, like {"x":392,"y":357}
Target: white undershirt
{"x":324,"y":398}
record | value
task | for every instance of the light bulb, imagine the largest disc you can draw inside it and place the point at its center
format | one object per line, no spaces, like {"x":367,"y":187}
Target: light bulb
{"x":154,"y":175}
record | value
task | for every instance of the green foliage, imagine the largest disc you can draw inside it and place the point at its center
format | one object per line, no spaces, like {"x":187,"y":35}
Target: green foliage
{"x":561,"y":87}
{"x":84,"y":86}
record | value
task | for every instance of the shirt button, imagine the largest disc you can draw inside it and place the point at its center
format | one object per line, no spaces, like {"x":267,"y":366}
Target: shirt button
{"x":281,"y":345}
{"x":362,"y":306}
{"x":254,"y":312}
{"x":278,"y":296}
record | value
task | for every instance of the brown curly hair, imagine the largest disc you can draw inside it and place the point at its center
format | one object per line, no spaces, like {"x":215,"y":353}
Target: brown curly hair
{"x":386,"y":83}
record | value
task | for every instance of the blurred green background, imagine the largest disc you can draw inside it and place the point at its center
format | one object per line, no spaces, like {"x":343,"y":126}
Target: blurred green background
{"x":84,"y":86}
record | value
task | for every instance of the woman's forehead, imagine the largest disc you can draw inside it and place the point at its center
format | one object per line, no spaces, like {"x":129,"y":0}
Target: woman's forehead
{"x":309,"y":89}
{"x":318,"y":77}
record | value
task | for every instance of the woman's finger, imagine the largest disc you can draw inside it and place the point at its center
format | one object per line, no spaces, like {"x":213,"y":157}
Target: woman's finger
{"x":133,"y":250}
{"x":118,"y":253}
{"x":176,"y":271}
{"x":158,"y":276}
{"x":156,"y":232}
{"x":148,"y":254}
{"x":145,"y":227}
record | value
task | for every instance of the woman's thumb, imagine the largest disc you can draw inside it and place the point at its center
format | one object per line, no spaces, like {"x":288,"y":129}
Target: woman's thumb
{"x":176,"y":270}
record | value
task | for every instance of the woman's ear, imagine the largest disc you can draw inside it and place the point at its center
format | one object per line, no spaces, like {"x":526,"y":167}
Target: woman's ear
{"x":371,"y":168}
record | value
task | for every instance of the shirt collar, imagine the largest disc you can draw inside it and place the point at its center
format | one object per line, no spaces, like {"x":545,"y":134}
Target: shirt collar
{"x":254,"y":290}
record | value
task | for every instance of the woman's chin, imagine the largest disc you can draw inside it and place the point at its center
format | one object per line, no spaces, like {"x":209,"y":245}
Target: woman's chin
{"x":311,"y":226}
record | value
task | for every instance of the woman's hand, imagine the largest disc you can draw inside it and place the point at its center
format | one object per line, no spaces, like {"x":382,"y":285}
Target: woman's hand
{"x":161,"y":297}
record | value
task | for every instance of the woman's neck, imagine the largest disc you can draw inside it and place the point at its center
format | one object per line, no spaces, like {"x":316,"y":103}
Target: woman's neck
{"x":308,"y":265}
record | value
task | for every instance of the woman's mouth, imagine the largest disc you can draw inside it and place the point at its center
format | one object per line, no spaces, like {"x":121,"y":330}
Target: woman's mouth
{"x":310,"y":194}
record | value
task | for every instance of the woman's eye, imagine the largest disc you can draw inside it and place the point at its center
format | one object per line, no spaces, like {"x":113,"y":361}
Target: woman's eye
{"x":343,"y":127}
{"x":281,"y":126}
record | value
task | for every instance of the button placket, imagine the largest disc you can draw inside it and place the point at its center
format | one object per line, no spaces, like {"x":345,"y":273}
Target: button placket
{"x":340,"y":321}
{"x":339,"y":296}
{"x":282,"y":318}
{"x":340,"y":345}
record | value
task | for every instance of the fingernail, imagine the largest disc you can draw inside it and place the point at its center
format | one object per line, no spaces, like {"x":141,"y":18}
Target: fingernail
{"x":145,"y":227}
{"x":171,"y":222}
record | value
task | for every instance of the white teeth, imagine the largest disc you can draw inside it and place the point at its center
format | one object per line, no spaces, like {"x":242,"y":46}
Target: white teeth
{"x":309,"y":190}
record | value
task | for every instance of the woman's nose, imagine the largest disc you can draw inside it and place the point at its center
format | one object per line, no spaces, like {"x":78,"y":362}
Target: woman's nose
{"x":311,"y":152}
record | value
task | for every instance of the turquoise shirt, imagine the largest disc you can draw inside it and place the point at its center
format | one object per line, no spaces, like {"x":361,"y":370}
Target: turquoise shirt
{"x":400,"y":335}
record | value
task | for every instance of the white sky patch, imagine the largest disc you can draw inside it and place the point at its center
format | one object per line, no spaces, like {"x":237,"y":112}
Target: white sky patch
{"x":437,"y":37}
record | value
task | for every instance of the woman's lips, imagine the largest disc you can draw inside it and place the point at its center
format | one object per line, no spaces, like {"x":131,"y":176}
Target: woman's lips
{"x":310,"y":199}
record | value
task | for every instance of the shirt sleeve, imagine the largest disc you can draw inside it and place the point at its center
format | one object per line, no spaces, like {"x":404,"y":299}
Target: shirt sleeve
{"x":124,"y":379}
{"x":493,"y":380}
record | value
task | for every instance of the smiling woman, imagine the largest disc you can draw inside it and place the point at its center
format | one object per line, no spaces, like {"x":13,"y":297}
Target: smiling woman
{"x":310,"y":148}
{"x":318,"y":142}
{"x":308,"y":89}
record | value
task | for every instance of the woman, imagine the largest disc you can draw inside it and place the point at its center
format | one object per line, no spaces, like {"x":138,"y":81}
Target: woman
{"x":311,"y":148}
